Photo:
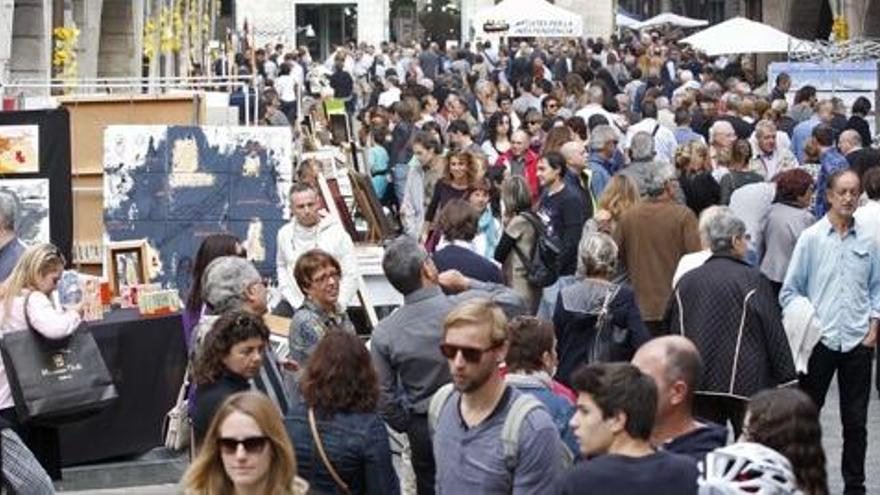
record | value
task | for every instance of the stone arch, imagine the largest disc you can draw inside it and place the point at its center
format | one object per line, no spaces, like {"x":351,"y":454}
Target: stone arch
{"x":809,"y":19}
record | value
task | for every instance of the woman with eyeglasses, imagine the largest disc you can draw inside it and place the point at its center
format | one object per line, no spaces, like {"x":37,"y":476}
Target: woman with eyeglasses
{"x":26,"y":303}
{"x":213,"y":247}
{"x":340,"y":439}
{"x":318,"y":275}
{"x":246,"y":451}
{"x":230,"y":356}
{"x":499,"y":131}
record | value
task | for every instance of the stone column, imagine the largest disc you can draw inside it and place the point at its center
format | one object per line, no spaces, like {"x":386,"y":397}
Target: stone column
{"x":7,"y":8}
{"x":31,"y":48}
{"x":598,"y":15}
{"x":87,"y":16}
{"x":119,"y":46}
{"x":373,"y":21}
{"x":469,"y":10}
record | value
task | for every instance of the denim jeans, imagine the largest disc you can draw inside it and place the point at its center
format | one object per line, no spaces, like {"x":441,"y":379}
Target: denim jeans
{"x":400,"y":172}
{"x":853,"y":370}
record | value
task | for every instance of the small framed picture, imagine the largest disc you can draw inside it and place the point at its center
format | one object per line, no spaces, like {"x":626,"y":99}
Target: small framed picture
{"x":340,"y":129}
{"x":126,"y":264}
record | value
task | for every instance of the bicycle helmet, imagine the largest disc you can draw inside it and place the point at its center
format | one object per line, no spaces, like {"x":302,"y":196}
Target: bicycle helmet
{"x":746,"y":468}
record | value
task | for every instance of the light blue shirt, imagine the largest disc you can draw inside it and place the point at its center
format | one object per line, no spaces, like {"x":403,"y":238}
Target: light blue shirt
{"x":799,"y":136}
{"x":841,"y":278}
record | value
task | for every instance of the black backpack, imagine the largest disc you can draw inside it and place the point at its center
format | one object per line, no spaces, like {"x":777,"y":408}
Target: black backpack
{"x":542,"y":268}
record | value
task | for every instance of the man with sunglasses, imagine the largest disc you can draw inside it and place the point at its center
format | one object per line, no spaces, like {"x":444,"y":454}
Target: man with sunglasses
{"x":476,"y":424}
{"x":404,"y":345}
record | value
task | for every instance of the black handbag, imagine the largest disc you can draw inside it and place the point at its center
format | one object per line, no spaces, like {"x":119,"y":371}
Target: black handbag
{"x":542,"y":269}
{"x":610,"y":341}
{"x":55,"y":381}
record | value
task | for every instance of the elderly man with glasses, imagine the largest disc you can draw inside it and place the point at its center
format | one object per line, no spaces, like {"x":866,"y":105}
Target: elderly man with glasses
{"x":231,"y":283}
{"x":405,"y":345}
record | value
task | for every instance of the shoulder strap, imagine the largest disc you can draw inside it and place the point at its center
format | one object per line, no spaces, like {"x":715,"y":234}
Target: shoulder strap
{"x":510,"y":431}
{"x":27,"y":318}
{"x":656,"y":128}
{"x":438,"y":400}
{"x":316,"y":437}
{"x":612,"y":293}
{"x":534,"y":221}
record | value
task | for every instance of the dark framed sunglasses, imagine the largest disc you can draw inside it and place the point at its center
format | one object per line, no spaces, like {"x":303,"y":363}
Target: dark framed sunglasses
{"x":470,"y":354}
{"x":252,"y":445}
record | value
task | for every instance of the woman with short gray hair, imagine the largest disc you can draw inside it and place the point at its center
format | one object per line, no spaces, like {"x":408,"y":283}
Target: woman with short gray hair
{"x":732,"y":315}
{"x":580,"y":305}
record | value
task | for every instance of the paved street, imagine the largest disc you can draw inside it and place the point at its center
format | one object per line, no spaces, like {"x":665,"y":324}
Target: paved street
{"x":833,"y":435}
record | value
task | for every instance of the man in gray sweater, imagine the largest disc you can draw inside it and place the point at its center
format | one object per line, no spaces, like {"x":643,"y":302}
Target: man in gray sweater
{"x":405,"y":345}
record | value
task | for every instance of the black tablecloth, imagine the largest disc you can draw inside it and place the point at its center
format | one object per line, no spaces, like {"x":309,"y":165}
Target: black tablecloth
{"x":147,"y":358}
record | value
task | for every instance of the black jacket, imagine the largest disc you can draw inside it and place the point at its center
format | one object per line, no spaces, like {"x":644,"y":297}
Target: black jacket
{"x":730,"y":312}
{"x":210,"y":397}
{"x":577,"y":308}
{"x":696,"y":444}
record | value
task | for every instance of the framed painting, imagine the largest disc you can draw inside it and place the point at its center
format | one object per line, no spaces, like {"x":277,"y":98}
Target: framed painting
{"x":19,"y":149}
{"x":127,"y":264}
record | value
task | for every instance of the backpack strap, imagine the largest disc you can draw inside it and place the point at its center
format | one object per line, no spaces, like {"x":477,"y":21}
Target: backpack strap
{"x":438,"y":400}
{"x":510,"y":431}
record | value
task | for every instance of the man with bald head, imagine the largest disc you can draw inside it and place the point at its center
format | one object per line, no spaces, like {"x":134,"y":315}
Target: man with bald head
{"x":860,"y":159}
{"x":722,"y":135}
{"x":674,"y":363}
{"x":588,"y":180}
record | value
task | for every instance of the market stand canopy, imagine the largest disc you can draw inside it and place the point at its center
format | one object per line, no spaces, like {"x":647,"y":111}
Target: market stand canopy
{"x":626,"y":21}
{"x":530,"y":19}
{"x":674,"y":20}
{"x":741,"y":35}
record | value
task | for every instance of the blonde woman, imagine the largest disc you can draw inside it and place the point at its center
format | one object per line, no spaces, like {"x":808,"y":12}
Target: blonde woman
{"x":619,"y":195}
{"x":246,"y":452}
{"x":699,"y":183}
{"x":26,"y":297}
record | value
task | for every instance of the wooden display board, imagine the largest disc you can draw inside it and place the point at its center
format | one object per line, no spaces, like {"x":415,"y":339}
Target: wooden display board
{"x":89,"y":116}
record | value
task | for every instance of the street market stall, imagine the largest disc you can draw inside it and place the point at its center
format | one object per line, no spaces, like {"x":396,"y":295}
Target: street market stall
{"x":529,"y":19}
{"x":740,"y":35}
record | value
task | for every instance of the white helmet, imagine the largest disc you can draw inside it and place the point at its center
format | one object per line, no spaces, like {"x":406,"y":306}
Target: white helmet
{"x":746,"y":468}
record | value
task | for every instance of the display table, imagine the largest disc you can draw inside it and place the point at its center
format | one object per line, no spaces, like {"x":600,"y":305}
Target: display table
{"x":147,"y":358}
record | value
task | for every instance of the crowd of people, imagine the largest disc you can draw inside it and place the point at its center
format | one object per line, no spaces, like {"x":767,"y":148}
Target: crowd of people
{"x":566,"y":207}
{"x":625,"y":268}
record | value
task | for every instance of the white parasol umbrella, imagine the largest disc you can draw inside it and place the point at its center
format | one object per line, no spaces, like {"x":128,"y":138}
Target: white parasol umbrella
{"x":672,"y":20}
{"x":740,"y":35}
{"x":627,"y":21}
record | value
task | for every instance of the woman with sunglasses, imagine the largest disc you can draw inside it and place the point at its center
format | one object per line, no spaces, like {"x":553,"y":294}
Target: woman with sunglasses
{"x":498,"y":130}
{"x":213,"y":247}
{"x":26,"y":303}
{"x":318,"y":275}
{"x":246,"y":451}
{"x":230,"y":356}
{"x":340,"y":439}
